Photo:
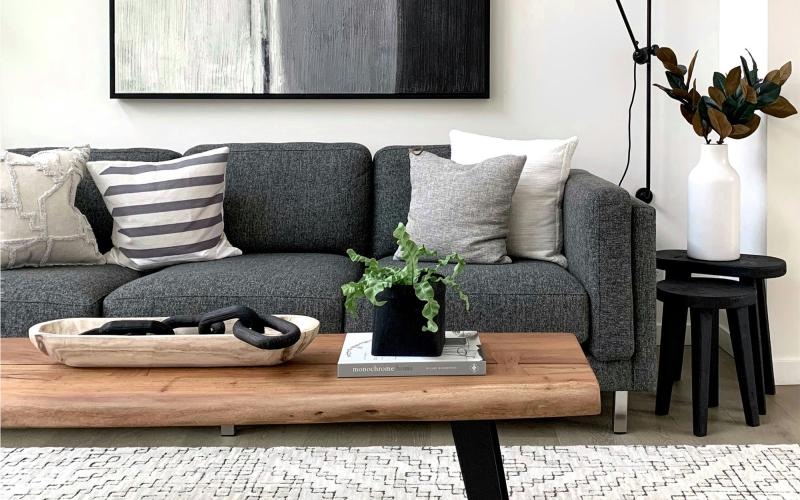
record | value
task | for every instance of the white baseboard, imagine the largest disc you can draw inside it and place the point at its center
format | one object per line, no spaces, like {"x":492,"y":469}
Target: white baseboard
{"x":787,"y":370}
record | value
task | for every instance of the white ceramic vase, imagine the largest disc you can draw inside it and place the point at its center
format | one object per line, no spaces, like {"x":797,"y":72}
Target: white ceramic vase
{"x":714,"y":206}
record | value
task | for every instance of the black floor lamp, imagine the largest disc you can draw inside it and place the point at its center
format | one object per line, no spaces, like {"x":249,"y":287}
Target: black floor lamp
{"x":642,"y":55}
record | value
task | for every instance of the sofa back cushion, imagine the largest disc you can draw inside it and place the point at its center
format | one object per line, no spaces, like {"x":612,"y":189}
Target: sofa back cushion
{"x":298,"y":197}
{"x":393,"y":193}
{"x":88,"y":198}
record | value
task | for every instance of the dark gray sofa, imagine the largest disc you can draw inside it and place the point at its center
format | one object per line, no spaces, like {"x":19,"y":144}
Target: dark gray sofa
{"x":294,"y":209}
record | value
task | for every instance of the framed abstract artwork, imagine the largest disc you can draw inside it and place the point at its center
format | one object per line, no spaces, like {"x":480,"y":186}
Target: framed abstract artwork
{"x":299,"y":48}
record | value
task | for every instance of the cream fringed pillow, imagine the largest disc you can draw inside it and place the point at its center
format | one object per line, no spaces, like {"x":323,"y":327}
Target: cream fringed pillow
{"x":535,"y":230}
{"x":39,"y":224}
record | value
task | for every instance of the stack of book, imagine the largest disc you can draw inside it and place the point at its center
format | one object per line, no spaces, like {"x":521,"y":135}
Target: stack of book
{"x":461,"y":356}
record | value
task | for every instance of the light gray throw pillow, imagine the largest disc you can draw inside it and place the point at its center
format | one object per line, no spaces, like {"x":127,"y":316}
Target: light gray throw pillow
{"x":462,"y":208}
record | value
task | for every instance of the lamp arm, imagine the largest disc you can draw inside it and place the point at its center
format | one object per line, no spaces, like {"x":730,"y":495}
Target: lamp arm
{"x":640,"y":54}
{"x":627,"y":25}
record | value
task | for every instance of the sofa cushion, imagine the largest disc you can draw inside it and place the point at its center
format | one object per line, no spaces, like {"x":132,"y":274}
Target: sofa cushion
{"x":393,"y":193}
{"x":88,"y":198}
{"x":524,"y":296}
{"x":298,"y":197}
{"x":33,"y":295}
{"x":307,"y":284}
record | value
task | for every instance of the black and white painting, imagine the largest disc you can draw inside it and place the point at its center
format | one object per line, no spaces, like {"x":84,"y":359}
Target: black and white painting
{"x":300,"y":48}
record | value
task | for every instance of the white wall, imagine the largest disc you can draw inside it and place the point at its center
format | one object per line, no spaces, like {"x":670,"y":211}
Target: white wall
{"x":686,"y":26}
{"x":743,"y":25}
{"x":559,"y":68}
{"x":783,"y":203}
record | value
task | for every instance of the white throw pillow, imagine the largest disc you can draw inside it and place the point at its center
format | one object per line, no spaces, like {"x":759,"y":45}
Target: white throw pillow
{"x":535,"y":230}
{"x":166,"y":212}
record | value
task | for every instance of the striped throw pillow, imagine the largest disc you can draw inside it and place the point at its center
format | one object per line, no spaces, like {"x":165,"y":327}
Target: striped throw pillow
{"x":166,"y":212}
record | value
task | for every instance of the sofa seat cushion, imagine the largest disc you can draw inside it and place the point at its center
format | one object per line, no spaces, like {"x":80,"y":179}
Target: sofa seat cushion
{"x":281,"y":283}
{"x":524,"y":296}
{"x":33,"y":295}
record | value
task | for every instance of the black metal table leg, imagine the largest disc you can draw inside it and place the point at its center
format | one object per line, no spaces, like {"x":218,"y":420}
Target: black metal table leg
{"x":481,"y":461}
{"x":766,"y":344}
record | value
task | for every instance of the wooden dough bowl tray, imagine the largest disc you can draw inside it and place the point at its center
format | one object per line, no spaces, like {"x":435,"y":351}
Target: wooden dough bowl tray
{"x":61,"y":341}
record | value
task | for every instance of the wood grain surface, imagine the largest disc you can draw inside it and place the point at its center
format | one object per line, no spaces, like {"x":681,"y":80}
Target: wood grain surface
{"x":528,"y":375}
{"x":62,"y":341}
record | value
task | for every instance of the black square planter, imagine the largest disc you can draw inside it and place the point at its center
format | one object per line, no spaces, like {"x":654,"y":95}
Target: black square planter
{"x":397,"y":325}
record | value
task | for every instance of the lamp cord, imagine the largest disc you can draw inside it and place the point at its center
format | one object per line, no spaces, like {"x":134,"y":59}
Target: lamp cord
{"x":630,"y":114}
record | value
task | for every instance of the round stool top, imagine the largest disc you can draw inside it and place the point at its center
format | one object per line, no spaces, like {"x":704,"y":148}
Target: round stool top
{"x":747,"y":266}
{"x":706,"y":293}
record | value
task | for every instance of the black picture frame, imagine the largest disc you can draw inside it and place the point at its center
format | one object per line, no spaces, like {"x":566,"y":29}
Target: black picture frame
{"x":113,"y":94}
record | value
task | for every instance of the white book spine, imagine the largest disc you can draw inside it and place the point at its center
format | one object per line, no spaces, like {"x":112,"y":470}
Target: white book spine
{"x":441,"y":368}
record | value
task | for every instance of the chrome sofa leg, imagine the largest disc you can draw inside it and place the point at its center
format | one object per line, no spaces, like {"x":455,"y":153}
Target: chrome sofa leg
{"x":620,"y":423}
{"x":227,"y":430}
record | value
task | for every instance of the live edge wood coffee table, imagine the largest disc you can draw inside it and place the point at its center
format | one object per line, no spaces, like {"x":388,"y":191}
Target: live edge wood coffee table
{"x":528,"y":376}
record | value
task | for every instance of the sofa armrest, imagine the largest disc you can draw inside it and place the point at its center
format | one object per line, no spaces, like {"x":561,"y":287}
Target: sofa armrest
{"x":597,"y":244}
{"x":643,"y":239}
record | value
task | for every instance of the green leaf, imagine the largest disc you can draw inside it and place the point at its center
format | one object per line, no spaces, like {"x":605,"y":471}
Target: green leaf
{"x":710,"y":103}
{"x":768,"y":93}
{"x":377,"y":278}
{"x":719,"y":81}
{"x":753,"y":79}
{"x":675,"y":81}
{"x":424,"y":292}
{"x":747,"y":75}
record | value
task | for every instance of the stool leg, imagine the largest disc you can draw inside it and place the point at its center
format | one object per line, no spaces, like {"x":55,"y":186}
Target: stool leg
{"x":766,"y":344}
{"x":670,"y":323}
{"x":743,"y":356}
{"x":682,"y":312}
{"x":755,"y":340}
{"x":713,"y":387}
{"x":680,"y":341}
{"x":701,"y":368}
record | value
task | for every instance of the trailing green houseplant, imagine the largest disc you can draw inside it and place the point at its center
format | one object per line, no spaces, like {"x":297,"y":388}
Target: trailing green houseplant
{"x":730,"y":107}
{"x":409,"y":300}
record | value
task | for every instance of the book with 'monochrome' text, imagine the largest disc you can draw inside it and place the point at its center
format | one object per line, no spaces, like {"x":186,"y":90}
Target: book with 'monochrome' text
{"x":462,"y":355}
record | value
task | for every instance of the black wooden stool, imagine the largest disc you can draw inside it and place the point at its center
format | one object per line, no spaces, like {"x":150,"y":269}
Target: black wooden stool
{"x":705,"y":298}
{"x":753,"y":271}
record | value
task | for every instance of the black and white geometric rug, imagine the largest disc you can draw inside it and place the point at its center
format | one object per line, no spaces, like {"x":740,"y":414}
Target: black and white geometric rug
{"x":396,"y":473}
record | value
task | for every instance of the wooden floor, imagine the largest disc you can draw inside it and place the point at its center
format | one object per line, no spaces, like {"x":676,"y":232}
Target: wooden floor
{"x":725,"y":426}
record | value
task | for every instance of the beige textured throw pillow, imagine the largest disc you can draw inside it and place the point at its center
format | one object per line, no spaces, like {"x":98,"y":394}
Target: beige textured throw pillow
{"x":535,"y":230}
{"x":40,"y":225}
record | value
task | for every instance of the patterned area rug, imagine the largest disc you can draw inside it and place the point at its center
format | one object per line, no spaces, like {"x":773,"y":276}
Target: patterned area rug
{"x":398,"y":472}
